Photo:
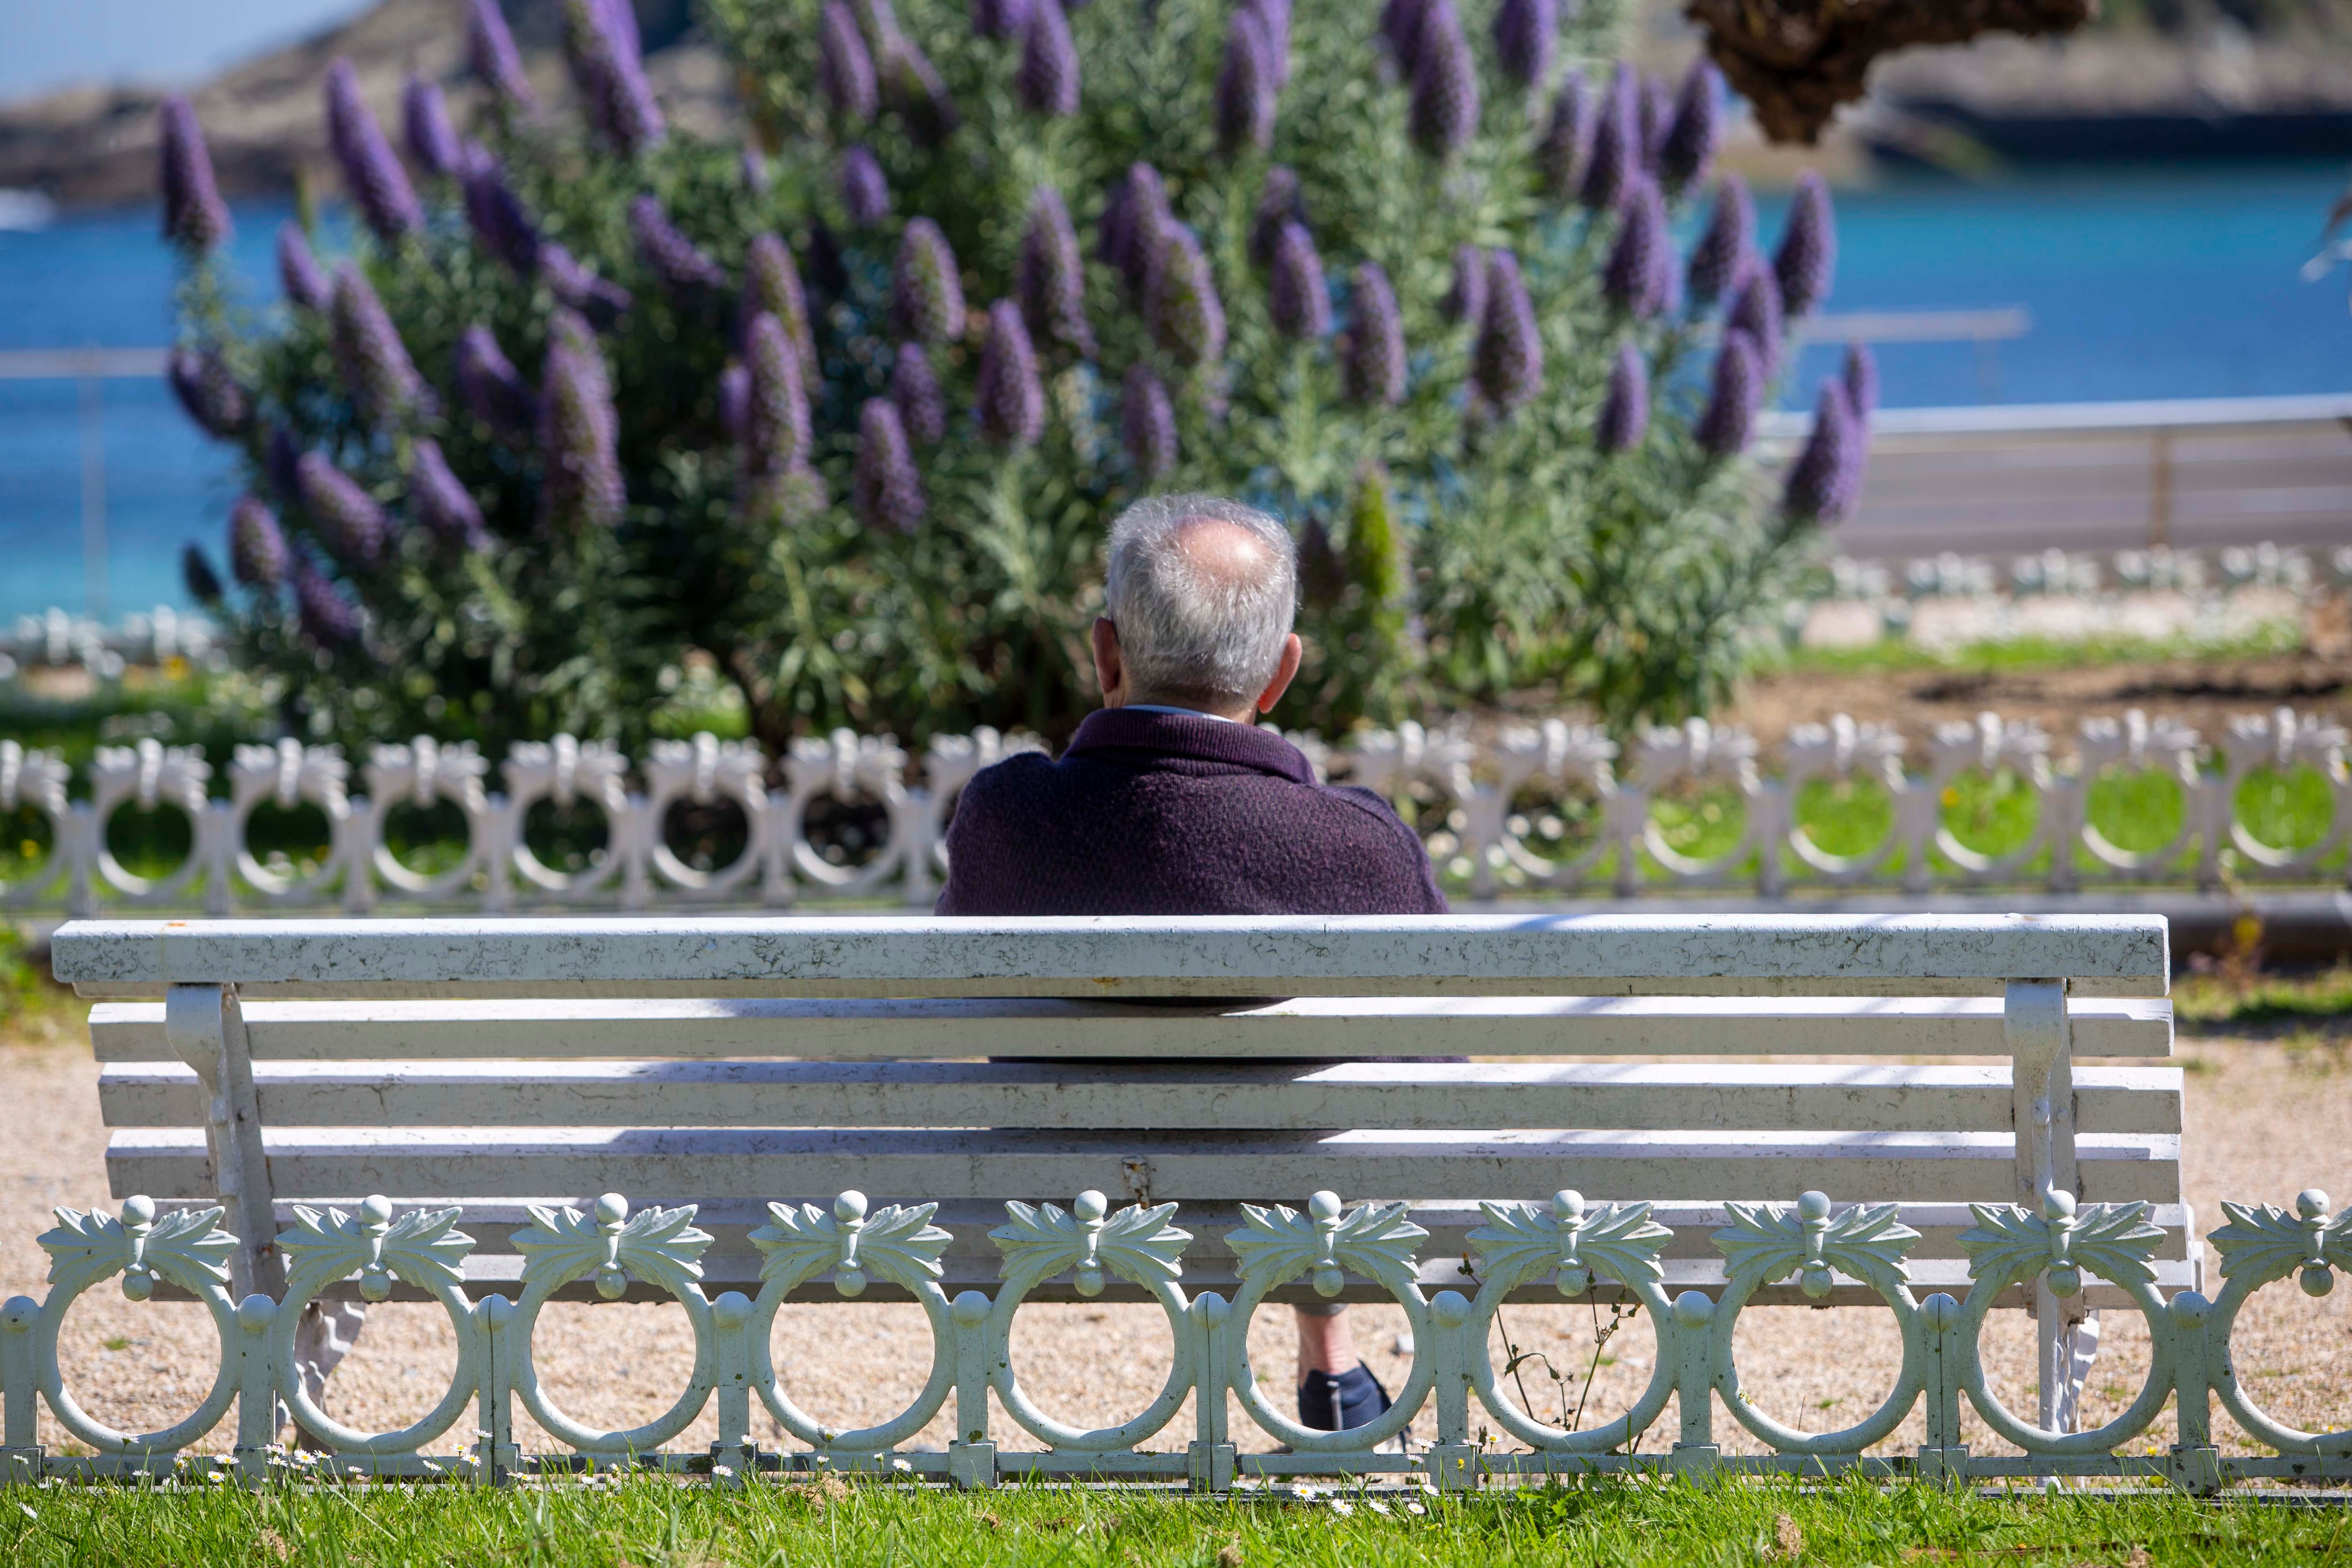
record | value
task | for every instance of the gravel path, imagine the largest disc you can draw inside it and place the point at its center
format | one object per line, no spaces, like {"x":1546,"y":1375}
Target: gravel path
{"x":2264,"y":1119}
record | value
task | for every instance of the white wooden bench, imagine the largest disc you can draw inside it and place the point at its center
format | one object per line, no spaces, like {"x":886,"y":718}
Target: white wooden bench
{"x":727,"y":1062}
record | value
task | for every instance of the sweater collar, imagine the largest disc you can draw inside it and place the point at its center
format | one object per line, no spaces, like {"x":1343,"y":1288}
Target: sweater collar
{"x":1192,"y":736}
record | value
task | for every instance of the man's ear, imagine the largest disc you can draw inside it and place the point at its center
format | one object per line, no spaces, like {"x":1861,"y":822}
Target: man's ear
{"x":1293,"y":651}
{"x":1110,"y":674}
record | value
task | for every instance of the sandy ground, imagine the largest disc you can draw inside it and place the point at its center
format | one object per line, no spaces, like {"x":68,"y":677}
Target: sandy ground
{"x":2266,"y":1119}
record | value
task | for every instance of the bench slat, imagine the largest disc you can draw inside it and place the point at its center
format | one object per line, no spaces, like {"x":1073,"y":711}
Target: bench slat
{"x":1465,"y":955}
{"x":1319,"y":1027}
{"x":1200,"y":1166}
{"x":1713,"y":1097}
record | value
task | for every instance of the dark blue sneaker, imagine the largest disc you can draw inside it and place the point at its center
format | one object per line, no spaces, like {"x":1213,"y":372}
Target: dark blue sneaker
{"x":1334,"y":1403}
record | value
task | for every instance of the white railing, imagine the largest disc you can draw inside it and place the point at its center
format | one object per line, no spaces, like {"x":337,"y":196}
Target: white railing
{"x":1495,"y":810}
{"x":1578,"y":1248}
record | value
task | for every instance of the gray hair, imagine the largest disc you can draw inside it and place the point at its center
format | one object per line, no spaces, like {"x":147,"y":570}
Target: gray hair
{"x":1189,"y":634}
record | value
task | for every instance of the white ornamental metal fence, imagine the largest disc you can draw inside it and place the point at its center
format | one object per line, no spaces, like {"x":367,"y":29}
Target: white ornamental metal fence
{"x":1538,"y":809}
{"x":1576,"y":1246}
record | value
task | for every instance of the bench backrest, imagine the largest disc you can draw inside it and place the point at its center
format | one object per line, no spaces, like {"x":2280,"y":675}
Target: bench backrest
{"x":728,"y":1063}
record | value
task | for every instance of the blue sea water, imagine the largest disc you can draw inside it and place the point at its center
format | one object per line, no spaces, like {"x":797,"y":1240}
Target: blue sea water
{"x":2141,"y":283}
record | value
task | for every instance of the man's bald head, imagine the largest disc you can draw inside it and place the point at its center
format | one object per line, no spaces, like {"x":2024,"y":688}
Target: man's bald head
{"x":1203,"y":591}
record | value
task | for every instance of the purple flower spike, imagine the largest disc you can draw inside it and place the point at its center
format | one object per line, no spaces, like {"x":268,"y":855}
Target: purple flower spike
{"x":256,"y":545}
{"x":1655,"y":113}
{"x":1052,"y":282}
{"x":885,"y":486}
{"x":377,"y":183}
{"x":1274,"y":17}
{"x":911,"y":85}
{"x":1691,"y":136}
{"x":928,"y":294}
{"x":1373,"y":356}
{"x":1245,"y":90}
{"x":346,"y":517}
{"x":751,"y":167}
{"x":845,"y":71}
{"x":491,"y":386}
{"x":1616,"y":144}
{"x":1825,"y":480}
{"x":194,"y":217}
{"x":580,"y":485}
{"x":1467,"y":299}
{"x":425,"y":126}
{"x":1048,"y":78}
{"x":773,"y":284}
{"x":1727,"y":247}
{"x":1625,"y":408}
{"x":1641,"y":265}
{"x":212,"y":396}
{"x":1000,"y":19}
{"x":499,"y":223}
{"x":1733,"y":396}
{"x":376,"y":369}
{"x":1567,"y":138}
{"x":1011,"y":402}
{"x":279,"y":459}
{"x":299,"y":273}
{"x":490,"y":50}
{"x":1807,"y":258}
{"x":601,"y":43}
{"x":1443,"y":116}
{"x":1527,"y":32}
{"x":1135,"y":227}
{"x":1188,"y":318}
{"x":1400,"y":25}
{"x":865,"y":192}
{"x":776,"y":416}
{"x":675,"y":259}
{"x":735,"y":400}
{"x":441,"y":501}
{"x":1861,"y":377}
{"x":328,"y":618}
{"x":1299,"y":299}
{"x":915,"y":388}
{"x":1147,"y":425}
{"x":1278,"y":203}
{"x":597,"y":301}
{"x":1756,"y":310}
{"x":1508,"y":359}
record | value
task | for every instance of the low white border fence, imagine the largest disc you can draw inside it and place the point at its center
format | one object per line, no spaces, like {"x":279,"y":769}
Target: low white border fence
{"x":1471,"y":797}
{"x":1577,"y":1247}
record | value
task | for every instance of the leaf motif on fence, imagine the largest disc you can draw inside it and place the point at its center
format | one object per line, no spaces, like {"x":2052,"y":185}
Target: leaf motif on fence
{"x":1048,"y":1239}
{"x":660,"y":1246}
{"x":2113,"y":1240}
{"x":1376,"y":1238}
{"x":1769,"y":1239}
{"x":187,"y":1247}
{"x":1619,"y":1240}
{"x":902,"y":1242}
{"x":2264,"y":1242}
{"x":423,"y":1246}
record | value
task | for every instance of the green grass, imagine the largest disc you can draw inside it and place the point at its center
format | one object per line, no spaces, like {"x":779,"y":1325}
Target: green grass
{"x":2229,"y":1000}
{"x":2022,"y":655}
{"x":654,"y":1525}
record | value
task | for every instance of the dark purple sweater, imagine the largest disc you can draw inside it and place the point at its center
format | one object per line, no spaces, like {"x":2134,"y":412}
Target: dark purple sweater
{"x":1158,"y":813}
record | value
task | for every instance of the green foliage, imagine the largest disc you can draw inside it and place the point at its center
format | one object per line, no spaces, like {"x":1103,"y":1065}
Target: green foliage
{"x":655,"y":1521}
{"x":1477,"y":554}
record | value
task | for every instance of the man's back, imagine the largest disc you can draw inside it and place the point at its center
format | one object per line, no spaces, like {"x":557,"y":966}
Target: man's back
{"x":1163,"y":813}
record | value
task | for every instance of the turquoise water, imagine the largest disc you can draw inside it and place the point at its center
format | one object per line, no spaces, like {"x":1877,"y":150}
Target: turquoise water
{"x":2146,"y":283}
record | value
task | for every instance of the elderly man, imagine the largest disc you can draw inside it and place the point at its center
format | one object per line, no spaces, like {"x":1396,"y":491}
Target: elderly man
{"x":1172,"y":800}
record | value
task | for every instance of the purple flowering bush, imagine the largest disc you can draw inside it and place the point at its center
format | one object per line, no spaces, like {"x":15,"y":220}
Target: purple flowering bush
{"x":848,"y":414}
